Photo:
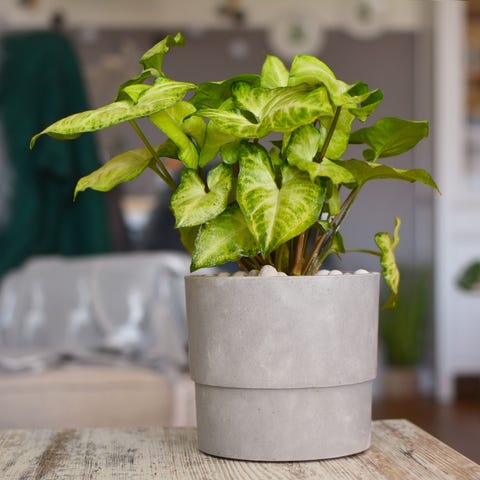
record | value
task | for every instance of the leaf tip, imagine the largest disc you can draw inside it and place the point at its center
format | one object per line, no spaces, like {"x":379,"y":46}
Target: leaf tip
{"x":34,"y":139}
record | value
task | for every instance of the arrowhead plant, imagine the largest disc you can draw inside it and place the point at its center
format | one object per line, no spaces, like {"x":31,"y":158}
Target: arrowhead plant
{"x":267,"y":177}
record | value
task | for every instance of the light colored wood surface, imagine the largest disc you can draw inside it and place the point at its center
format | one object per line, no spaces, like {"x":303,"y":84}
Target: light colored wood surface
{"x":400,"y":451}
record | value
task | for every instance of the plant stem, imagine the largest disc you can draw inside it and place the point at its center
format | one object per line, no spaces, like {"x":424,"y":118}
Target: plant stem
{"x":316,"y":248}
{"x":363,"y":250}
{"x":319,"y":157}
{"x":297,"y":266}
{"x":345,"y":208}
{"x":163,"y":172}
{"x":315,"y":260}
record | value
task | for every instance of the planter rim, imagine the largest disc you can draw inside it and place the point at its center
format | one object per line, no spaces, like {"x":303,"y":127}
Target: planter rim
{"x":282,"y":332}
{"x":209,"y":276}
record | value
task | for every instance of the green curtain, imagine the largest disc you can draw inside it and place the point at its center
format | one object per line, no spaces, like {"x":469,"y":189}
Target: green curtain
{"x":40,"y":82}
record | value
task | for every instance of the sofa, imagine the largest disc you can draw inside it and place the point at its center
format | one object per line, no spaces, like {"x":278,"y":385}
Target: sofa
{"x":95,"y":341}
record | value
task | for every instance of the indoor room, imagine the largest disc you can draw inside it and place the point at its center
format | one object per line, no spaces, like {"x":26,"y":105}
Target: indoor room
{"x":185,"y":250}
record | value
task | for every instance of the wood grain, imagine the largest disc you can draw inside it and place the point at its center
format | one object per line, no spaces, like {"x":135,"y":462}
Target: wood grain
{"x":400,"y":450}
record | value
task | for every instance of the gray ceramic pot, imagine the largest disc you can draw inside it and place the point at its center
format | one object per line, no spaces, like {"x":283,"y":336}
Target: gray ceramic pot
{"x":283,"y":366}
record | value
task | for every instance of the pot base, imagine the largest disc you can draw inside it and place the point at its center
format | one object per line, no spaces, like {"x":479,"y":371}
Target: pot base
{"x":295,"y":424}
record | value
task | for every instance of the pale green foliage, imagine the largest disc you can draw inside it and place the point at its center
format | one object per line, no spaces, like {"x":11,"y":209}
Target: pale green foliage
{"x":387,"y":245}
{"x":281,"y":205}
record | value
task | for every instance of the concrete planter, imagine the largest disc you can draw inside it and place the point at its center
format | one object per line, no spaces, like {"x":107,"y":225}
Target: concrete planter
{"x":283,"y":366}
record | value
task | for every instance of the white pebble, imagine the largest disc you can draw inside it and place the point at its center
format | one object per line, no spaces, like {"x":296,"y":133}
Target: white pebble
{"x":360,"y":271}
{"x":335,"y":272}
{"x":240,"y":273}
{"x":253,"y":273}
{"x":322,"y":273}
{"x":223,"y":274}
{"x":268,"y":271}
{"x":282,"y":274}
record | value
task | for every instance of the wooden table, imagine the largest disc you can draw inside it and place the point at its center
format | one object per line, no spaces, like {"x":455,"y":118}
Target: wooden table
{"x":400,"y":450}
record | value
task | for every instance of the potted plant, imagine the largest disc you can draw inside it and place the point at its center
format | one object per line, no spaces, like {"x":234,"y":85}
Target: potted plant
{"x":282,"y":354}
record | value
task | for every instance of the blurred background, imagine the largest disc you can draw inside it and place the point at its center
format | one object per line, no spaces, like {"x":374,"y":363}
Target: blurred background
{"x":92,"y":327}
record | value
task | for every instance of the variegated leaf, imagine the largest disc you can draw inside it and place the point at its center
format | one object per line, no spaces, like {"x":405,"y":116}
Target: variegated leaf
{"x":138,"y":79}
{"x":327,"y":168}
{"x":226,"y":238}
{"x":275,"y":214}
{"x":274,"y":73}
{"x":170,"y":121}
{"x":301,"y":151}
{"x":233,"y":123}
{"x":160,"y":96}
{"x":390,"y":272}
{"x":188,"y":235}
{"x":214,"y":140}
{"x":304,"y":144}
{"x":279,"y":110}
{"x":369,"y":100}
{"x":153,"y":58}
{"x":123,"y":168}
{"x":285,"y":108}
{"x":213,"y":94}
{"x":192,"y":204}
{"x":312,"y":71}
{"x":119,"y":169}
{"x":363,"y":171}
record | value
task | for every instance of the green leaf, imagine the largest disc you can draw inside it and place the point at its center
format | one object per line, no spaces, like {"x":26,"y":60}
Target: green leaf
{"x":153,"y":58}
{"x":188,"y":236}
{"x":369,"y":100}
{"x":119,"y":169}
{"x":329,"y":169}
{"x":279,"y":110}
{"x":170,"y":121}
{"x":312,"y":71}
{"x":275,"y":157}
{"x":233,"y":123}
{"x":333,"y":200}
{"x":282,"y":109}
{"x":301,"y":151}
{"x":138,"y":79}
{"x":158,"y":97}
{"x":274,"y":73}
{"x":304,"y":144}
{"x":134,"y":92}
{"x":213,"y":94}
{"x":275,"y":215}
{"x":363,"y":172}
{"x":337,"y":247}
{"x":339,"y":140}
{"x":389,"y":136}
{"x":390,"y":272}
{"x":192,"y":204}
{"x":214,"y":140}
{"x":226,"y":238}
{"x":196,"y":128}
{"x":230,"y":152}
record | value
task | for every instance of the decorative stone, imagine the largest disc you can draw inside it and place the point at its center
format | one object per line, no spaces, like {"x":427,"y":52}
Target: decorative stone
{"x":268,"y":271}
{"x":253,"y":273}
{"x":335,"y":272}
{"x":224,"y":274}
{"x":323,"y":272}
{"x":240,"y":273}
{"x":361,"y":271}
